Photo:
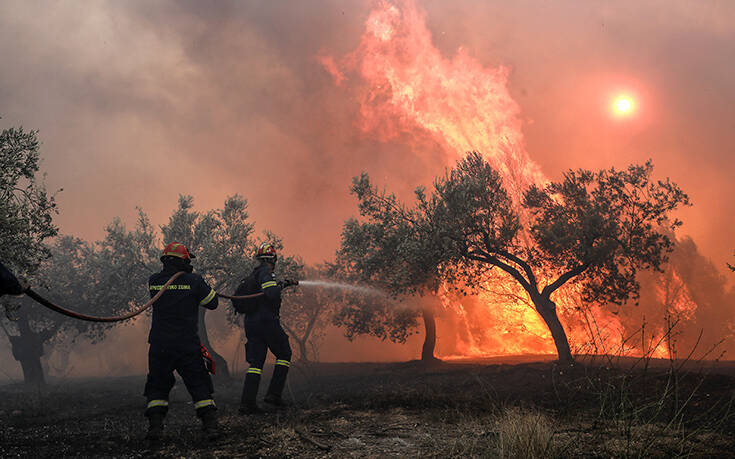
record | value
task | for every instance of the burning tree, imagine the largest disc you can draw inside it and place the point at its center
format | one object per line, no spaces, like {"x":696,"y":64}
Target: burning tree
{"x":594,"y":228}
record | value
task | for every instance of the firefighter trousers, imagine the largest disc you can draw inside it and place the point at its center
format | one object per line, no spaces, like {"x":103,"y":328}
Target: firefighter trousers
{"x":263,"y":335}
{"x":188,"y":362}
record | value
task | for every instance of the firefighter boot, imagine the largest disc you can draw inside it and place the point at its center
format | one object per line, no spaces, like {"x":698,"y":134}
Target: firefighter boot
{"x":275,"y":389}
{"x":210,"y":426}
{"x":155,"y":414}
{"x":155,"y":426}
{"x":248,"y":405}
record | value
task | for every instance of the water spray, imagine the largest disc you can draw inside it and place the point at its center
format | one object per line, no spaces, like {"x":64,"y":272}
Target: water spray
{"x":339,"y":285}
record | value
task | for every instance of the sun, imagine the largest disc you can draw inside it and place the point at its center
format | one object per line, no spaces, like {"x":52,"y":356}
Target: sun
{"x":623,"y":105}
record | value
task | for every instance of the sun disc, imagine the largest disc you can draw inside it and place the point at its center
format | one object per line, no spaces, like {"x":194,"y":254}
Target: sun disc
{"x":623,"y":105}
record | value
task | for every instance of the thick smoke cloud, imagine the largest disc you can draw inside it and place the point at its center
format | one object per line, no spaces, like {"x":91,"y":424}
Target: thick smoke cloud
{"x":137,"y":103}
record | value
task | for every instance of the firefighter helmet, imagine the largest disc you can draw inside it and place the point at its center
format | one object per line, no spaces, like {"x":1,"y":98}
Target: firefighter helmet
{"x":177,"y":249}
{"x":266,"y":251}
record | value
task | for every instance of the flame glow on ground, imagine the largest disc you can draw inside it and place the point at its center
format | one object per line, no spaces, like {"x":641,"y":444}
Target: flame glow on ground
{"x":411,"y":88}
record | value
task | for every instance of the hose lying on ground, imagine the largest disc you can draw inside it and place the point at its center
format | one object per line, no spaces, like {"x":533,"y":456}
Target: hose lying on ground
{"x":76,"y":315}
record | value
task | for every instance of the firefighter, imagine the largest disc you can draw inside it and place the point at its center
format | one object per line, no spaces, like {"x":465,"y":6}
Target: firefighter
{"x":263,"y":331}
{"x":9,"y":284}
{"x":174,"y":342}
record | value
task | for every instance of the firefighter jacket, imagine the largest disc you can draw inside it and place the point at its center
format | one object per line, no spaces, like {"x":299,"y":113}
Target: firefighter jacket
{"x":269,"y":305}
{"x":9,"y":285}
{"x":176,"y":312}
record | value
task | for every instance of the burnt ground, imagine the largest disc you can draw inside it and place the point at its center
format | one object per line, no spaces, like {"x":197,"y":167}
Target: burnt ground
{"x":469,"y":409}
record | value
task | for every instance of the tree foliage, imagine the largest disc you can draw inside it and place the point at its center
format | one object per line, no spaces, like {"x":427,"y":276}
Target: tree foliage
{"x":26,"y":208}
{"x":604,"y":227}
{"x":358,"y":312}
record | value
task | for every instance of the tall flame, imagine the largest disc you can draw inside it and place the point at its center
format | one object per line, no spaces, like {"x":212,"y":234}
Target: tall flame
{"x":410,"y":87}
{"x":407,"y":87}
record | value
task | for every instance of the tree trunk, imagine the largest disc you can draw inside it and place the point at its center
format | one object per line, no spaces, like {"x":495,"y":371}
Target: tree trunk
{"x":27,"y":349}
{"x":222,"y":368}
{"x":547,"y":310}
{"x":427,"y":351}
{"x":302,"y":350}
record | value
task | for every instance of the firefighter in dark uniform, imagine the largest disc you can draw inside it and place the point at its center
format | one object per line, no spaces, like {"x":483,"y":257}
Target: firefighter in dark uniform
{"x":263,"y":331}
{"x":174,"y":342}
{"x":9,"y":284}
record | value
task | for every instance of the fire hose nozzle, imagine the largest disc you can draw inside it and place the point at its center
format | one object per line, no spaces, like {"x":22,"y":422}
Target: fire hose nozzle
{"x":289,"y":283}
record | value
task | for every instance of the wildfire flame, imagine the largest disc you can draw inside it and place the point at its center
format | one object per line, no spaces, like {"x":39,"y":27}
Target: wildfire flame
{"x":407,"y":87}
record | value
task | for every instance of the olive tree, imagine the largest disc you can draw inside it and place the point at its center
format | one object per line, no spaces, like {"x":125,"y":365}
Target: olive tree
{"x":26,"y":208}
{"x":596,"y":229}
{"x":26,"y":221}
{"x":393,"y":316}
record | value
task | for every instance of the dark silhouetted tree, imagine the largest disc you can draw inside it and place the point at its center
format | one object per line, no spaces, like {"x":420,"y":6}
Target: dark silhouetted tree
{"x":594,"y":228}
{"x":26,"y":221}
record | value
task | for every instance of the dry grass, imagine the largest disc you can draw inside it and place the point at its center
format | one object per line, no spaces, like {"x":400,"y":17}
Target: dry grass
{"x":525,"y":434}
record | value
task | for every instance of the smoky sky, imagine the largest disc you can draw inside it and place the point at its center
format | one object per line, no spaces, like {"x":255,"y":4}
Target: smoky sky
{"x":137,"y":102}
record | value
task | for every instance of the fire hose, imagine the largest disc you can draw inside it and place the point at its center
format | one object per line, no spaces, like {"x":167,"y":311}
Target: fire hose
{"x":76,"y":315}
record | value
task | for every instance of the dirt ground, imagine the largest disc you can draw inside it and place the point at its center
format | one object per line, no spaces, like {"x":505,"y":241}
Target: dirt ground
{"x":452,"y":409}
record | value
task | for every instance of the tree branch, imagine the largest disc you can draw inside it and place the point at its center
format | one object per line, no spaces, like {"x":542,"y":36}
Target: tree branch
{"x":487,"y":258}
{"x":526,"y":267}
{"x":290,"y":331}
{"x":310,"y":326}
{"x":551,"y":288}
